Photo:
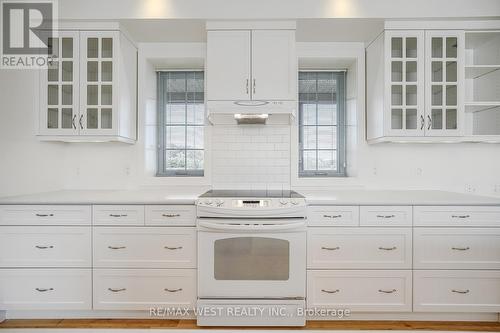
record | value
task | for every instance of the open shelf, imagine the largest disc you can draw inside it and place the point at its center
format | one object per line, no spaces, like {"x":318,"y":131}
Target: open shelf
{"x":480,"y":106}
{"x":476,"y":71}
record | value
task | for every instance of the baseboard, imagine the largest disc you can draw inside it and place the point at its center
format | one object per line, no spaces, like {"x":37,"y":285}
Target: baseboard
{"x":2,"y":316}
{"x":410,"y":316}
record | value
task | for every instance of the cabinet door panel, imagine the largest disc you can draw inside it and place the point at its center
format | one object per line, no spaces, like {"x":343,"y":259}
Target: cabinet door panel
{"x":228,"y":65}
{"x":99,"y":83}
{"x":444,"y":82}
{"x":59,"y":87}
{"x":274,"y":65}
{"x":404,"y":72}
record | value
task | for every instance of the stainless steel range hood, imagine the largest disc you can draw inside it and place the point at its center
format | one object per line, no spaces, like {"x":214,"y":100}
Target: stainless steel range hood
{"x":251,"y":112}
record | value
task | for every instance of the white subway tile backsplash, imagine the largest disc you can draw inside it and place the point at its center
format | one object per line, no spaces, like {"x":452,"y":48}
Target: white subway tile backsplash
{"x":251,"y":157}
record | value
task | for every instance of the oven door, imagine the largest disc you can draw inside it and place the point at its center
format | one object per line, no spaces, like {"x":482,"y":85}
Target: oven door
{"x":238,"y":259}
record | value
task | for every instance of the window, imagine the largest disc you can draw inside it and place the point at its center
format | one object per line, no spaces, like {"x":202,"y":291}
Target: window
{"x":321,"y":124}
{"x":181,"y":116}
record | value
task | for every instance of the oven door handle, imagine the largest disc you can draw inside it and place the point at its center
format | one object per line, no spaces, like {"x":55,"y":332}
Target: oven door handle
{"x":257,"y":228}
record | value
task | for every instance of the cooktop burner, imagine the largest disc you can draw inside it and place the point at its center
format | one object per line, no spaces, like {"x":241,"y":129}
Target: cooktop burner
{"x":251,"y":194}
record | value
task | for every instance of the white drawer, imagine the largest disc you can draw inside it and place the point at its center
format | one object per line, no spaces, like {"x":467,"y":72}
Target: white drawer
{"x":386,"y":216}
{"x":142,"y":289}
{"x":359,"y":248}
{"x":45,"y":247}
{"x":457,"y":216}
{"x":144,"y":247}
{"x":360,"y":290}
{"x":45,"y":289}
{"x":456,"y":248}
{"x":171,"y":215}
{"x":118,"y":215}
{"x":338,"y":216}
{"x":456,"y":291}
{"x":45,"y":215}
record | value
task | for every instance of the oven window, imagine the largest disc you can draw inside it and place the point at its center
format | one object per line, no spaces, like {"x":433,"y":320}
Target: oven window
{"x":251,"y":258}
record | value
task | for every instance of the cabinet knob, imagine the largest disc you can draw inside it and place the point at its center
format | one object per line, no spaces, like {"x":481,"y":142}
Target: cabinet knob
{"x":460,"y":291}
{"x":173,"y":290}
{"x":387,"y":291}
{"x":173,"y":248}
{"x":386,"y":216}
{"x":117,"y":247}
{"x":330,"y":248}
{"x":330,"y":291}
{"x":44,"y":215}
{"x":460,"y":216}
{"x":333,"y":216}
{"x":118,"y":215}
{"x":42,"y":290}
{"x":170,"y":215}
{"x":41,"y":247}
{"x":461,"y":248}
{"x":116,"y":290}
{"x":387,"y":248}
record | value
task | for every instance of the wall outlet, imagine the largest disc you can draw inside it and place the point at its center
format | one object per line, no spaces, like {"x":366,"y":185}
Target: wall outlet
{"x":419,"y":171}
{"x":496,"y":188}
{"x":470,"y":188}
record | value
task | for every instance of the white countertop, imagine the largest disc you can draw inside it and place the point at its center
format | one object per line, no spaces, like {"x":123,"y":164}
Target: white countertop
{"x":177,"y":197}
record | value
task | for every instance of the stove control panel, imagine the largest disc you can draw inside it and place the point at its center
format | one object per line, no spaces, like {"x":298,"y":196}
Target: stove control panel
{"x":251,"y":203}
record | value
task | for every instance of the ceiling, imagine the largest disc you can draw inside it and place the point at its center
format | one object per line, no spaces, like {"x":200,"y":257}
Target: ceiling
{"x":308,"y":30}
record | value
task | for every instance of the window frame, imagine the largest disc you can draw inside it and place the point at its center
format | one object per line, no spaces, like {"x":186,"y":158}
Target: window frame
{"x":340,"y":126}
{"x":161,"y":170}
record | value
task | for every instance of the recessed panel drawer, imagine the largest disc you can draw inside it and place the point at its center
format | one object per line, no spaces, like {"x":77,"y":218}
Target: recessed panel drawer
{"x":457,"y":216}
{"x":171,"y":215}
{"x":456,"y":291}
{"x":45,"y":215}
{"x":45,"y":289}
{"x":142,"y":289}
{"x":360,"y":290}
{"x":456,"y":248}
{"x":359,"y":248}
{"x":386,"y":216}
{"x":45,"y":247}
{"x":118,"y":215}
{"x":144,"y":247}
{"x":338,"y":216}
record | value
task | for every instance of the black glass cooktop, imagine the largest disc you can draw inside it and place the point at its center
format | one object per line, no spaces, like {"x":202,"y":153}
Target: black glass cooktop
{"x":251,"y":194}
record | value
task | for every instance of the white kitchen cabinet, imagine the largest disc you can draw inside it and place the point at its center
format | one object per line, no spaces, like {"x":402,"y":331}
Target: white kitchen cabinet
{"x":143,"y":289}
{"x":444,"y":56}
{"x":90,"y":95}
{"x":456,"y":216}
{"x":360,"y":290}
{"x":118,"y":215}
{"x":248,"y":64}
{"x":386,"y":216}
{"x":332,"y":216}
{"x":415,"y":83}
{"x":45,"y":215}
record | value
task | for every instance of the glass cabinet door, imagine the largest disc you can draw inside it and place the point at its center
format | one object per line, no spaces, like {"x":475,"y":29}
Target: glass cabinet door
{"x":444,"y":76}
{"x":59,"y":87}
{"x":405,"y":76}
{"x":98,"y":72}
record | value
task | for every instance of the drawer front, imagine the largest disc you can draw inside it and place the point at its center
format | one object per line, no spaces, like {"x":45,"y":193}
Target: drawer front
{"x":457,"y":216}
{"x":171,"y":215}
{"x":142,"y":289}
{"x":456,"y":291}
{"x":144,"y":247}
{"x":456,"y":248}
{"x":360,"y":290}
{"x":339,"y":216}
{"x":118,"y":215}
{"x":386,"y":216}
{"x":359,"y":248}
{"x":45,"y":247}
{"x":45,"y":289}
{"x":45,"y":215}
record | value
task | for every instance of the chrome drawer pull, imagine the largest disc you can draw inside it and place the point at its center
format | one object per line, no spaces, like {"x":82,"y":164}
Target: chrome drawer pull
{"x":460,"y":216}
{"x":387,"y":291}
{"x":330,"y":291}
{"x":44,"y":215}
{"x":118,"y":215}
{"x":330,"y":248}
{"x":387,"y":248}
{"x":172,"y":248}
{"x":460,"y":291}
{"x":170,"y":215}
{"x":333,"y":216}
{"x":42,"y":290}
{"x":116,"y":290}
{"x":173,"y":290}
{"x":117,"y":247}
{"x":460,"y":248}
{"x":386,"y":216}
{"x":44,"y":247}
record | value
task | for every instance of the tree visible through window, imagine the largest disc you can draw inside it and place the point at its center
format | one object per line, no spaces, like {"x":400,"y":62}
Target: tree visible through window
{"x":321,"y":124}
{"x":181,"y":116}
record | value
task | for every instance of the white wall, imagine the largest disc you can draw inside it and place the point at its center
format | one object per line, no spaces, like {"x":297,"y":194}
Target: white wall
{"x":30,"y":166}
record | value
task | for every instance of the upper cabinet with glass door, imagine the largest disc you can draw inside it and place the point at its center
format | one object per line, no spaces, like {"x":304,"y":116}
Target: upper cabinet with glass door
{"x":444,"y":82}
{"x":102,"y":103}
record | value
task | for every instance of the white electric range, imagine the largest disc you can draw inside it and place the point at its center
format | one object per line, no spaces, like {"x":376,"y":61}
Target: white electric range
{"x":251,"y":258}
